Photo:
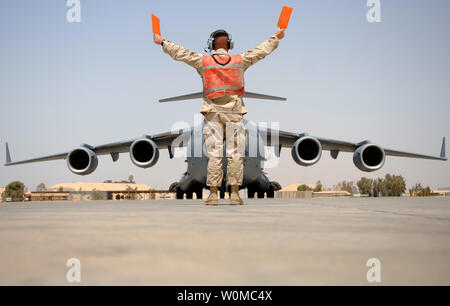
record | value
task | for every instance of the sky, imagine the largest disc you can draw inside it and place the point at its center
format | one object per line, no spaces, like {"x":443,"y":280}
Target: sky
{"x":99,"y":80}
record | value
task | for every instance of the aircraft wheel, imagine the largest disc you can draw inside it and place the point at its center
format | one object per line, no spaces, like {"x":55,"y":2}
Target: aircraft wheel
{"x":276,"y":186}
{"x":270,"y":192}
{"x":173,"y":187}
{"x":250,"y":193}
{"x":180,"y":194}
{"x":189,"y":195}
{"x":199,"y":194}
{"x":222,"y":193}
{"x":260,"y":194}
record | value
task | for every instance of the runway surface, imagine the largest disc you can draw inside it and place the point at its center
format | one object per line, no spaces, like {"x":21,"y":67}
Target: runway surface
{"x":265,"y":242}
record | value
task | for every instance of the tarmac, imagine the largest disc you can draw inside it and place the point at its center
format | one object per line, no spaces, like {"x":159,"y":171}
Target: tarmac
{"x":265,"y":242}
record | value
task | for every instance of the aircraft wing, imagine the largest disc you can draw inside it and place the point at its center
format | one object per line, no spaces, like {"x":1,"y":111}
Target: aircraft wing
{"x":199,"y":95}
{"x":287,"y":139}
{"x":163,"y":140}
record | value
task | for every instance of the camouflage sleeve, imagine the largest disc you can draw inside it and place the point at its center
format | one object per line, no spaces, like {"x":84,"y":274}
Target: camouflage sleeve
{"x":179,"y":53}
{"x":261,"y":51}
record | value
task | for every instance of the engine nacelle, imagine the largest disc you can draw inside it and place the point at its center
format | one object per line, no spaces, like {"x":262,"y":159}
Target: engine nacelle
{"x":82,"y":161}
{"x":144,"y":153}
{"x":306,"y":151}
{"x":369,"y":157}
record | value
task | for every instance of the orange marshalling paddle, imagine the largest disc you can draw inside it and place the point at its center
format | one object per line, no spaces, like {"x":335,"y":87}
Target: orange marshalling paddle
{"x":155,"y":25}
{"x":284,"y":17}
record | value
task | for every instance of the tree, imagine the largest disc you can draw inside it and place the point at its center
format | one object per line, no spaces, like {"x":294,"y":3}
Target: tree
{"x":347,"y":186}
{"x":389,"y":186}
{"x":41,"y":187}
{"x":365,"y":186}
{"x":418,"y":191}
{"x":132,"y":195}
{"x":395,"y":185}
{"x":318,"y":187}
{"x":61,"y":189}
{"x":131,"y":179}
{"x":413,"y":189}
{"x":97,"y":195}
{"x":379,"y":187}
{"x":14,"y":191}
{"x":304,"y":188}
{"x":427,"y":192}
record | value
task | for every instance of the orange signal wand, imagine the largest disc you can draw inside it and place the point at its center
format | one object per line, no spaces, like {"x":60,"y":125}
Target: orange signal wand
{"x":155,"y":25}
{"x":284,"y":17}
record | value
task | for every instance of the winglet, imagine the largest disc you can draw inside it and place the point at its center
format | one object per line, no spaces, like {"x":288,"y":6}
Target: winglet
{"x":8,"y":156}
{"x":443,"y":148}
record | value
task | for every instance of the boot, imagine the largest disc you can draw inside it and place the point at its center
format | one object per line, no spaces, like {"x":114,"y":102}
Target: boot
{"x":235,"y":199}
{"x":213,"y":198}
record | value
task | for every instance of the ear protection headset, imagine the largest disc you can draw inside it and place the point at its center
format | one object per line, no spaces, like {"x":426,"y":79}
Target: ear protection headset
{"x":212,"y":37}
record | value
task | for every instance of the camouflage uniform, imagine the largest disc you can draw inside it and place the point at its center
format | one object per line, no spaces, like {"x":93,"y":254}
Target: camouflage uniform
{"x":222,"y":112}
{"x":228,"y":126}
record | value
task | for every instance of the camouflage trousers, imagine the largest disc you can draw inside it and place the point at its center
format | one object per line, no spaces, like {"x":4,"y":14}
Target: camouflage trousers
{"x":228,"y":128}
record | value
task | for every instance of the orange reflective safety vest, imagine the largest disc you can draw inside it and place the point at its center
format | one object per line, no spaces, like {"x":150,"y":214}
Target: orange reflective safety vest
{"x":222,"y":76}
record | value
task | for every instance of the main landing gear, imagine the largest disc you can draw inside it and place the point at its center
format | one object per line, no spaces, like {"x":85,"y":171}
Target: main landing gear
{"x":251,"y":191}
{"x":175,"y":187}
{"x":270,"y":193}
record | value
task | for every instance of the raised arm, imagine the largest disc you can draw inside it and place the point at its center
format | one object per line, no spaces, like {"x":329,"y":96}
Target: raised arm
{"x":262,"y":50}
{"x":179,"y":53}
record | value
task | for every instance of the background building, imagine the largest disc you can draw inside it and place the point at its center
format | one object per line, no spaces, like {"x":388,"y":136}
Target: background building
{"x":442,"y":191}
{"x":107,"y":191}
{"x":291,"y":191}
{"x":2,"y":189}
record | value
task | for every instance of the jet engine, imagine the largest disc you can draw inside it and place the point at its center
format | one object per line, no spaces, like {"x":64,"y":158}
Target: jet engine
{"x":306,"y":151}
{"x":82,"y":161}
{"x":369,"y":157}
{"x":144,"y":153}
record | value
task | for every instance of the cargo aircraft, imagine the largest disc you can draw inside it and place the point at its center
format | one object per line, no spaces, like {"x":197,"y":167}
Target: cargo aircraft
{"x":306,"y":150}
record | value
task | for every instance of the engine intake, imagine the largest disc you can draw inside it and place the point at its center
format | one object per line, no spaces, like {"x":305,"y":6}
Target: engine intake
{"x":306,"y":151}
{"x":144,"y":153}
{"x":369,"y":157}
{"x":82,"y":161}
